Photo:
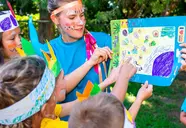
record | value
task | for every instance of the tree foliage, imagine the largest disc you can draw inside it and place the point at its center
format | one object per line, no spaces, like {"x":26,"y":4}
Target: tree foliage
{"x":99,"y":13}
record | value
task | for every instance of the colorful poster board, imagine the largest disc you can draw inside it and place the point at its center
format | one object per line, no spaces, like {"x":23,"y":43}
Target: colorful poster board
{"x":153,"y":44}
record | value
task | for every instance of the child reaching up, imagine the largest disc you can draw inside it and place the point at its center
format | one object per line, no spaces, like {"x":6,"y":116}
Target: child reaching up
{"x":106,"y":110}
{"x":183,"y":113}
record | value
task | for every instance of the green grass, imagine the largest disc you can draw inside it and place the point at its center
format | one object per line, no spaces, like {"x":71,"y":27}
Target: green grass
{"x":162,"y":109}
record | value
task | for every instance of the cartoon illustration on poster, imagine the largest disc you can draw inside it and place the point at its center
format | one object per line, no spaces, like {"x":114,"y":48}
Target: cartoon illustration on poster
{"x":153,"y":45}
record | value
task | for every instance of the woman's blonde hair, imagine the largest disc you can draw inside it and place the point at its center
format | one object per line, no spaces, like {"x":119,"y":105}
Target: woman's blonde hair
{"x":18,"y":78}
{"x":54,"y":4}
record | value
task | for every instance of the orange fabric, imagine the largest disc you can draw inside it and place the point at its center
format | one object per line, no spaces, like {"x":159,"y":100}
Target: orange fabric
{"x":86,"y":92}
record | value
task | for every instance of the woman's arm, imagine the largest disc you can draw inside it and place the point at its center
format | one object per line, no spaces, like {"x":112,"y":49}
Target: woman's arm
{"x":72,"y":79}
{"x":99,"y":55}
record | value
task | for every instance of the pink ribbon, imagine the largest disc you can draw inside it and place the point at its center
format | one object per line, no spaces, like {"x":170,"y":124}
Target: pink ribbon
{"x":90,"y":46}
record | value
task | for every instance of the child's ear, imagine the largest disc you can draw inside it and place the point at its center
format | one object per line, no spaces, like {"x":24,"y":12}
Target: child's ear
{"x":54,"y":19}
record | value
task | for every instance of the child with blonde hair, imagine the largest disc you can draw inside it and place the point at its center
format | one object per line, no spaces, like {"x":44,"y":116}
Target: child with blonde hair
{"x":106,"y":110}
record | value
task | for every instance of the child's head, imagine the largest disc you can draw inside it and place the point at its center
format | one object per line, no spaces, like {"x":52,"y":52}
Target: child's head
{"x":17,"y":79}
{"x":9,"y":34}
{"x":27,"y":87}
{"x":100,"y":111}
{"x":68,"y":15}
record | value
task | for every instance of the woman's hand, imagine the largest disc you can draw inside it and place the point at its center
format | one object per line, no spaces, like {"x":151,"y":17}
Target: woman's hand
{"x":100,"y":55}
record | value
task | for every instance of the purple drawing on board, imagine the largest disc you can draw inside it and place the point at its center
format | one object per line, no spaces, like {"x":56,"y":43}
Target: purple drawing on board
{"x":163,"y":64}
{"x":125,"y":33}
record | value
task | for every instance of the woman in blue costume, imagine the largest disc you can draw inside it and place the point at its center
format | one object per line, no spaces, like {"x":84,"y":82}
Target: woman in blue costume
{"x":76,"y":47}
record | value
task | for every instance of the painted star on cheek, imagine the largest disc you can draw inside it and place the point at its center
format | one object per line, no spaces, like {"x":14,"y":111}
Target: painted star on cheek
{"x":69,"y":27}
{"x":12,"y":47}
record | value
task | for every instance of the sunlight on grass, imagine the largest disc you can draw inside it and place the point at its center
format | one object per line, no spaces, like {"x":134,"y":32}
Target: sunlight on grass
{"x":162,"y":109}
{"x":147,"y":103}
{"x":131,"y":98}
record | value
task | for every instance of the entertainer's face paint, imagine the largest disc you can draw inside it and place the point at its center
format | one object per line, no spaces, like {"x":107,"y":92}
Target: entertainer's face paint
{"x":72,"y":20}
{"x":11,"y":40}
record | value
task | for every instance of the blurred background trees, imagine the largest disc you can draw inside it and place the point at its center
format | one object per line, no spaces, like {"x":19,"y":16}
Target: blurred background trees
{"x":99,"y":13}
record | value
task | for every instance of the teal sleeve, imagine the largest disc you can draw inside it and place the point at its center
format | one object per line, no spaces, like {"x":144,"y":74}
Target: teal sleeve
{"x":35,"y":40}
{"x":183,"y":107}
{"x":108,"y":41}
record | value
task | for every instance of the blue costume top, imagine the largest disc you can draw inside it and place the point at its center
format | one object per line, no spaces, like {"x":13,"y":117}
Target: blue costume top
{"x":183,"y":107}
{"x":73,"y":55}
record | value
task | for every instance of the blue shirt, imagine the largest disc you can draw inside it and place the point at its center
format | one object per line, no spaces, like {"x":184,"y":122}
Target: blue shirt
{"x":183,"y":107}
{"x":72,"y":55}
